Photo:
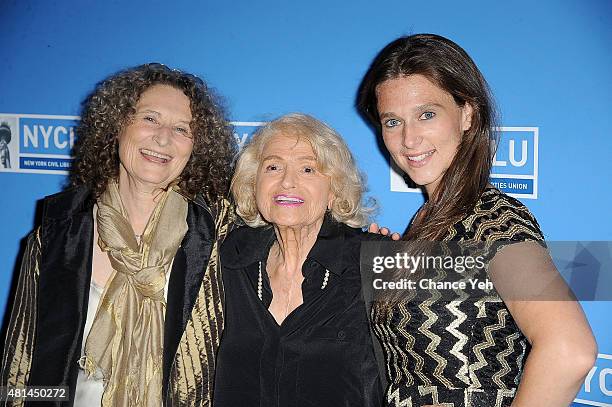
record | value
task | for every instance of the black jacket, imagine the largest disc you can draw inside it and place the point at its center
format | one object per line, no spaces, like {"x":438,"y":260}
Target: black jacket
{"x":46,"y":329}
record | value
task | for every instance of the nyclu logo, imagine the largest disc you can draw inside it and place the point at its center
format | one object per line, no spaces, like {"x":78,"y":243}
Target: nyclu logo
{"x":36,"y":143}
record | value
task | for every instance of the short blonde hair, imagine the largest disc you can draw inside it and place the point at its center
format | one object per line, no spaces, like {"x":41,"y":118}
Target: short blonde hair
{"x":333,"y":159}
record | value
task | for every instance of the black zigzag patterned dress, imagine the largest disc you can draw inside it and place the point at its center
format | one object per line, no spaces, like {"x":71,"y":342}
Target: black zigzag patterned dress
{"x":464,"y":352}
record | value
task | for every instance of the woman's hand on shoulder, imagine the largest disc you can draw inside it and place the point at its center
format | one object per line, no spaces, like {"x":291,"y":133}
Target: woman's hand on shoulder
{"x":374,"y":228}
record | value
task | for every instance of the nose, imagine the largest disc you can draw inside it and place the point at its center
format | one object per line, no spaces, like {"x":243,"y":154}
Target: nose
{"x":288,"y":180}
{"x":410,"y":137}
{"x":163,"y":136}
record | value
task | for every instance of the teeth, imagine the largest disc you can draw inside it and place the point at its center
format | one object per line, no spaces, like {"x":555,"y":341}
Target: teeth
{"x":288,"y":199}
{"x":420,"y":157}
{"x":156,"y":154}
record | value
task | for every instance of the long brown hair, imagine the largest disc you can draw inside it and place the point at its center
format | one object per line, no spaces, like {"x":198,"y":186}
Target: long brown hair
{"x":448,"y":66}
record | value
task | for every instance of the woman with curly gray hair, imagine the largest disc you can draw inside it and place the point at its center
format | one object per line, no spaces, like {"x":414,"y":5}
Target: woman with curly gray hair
{"x":119,"y":294}
{"x":296,"y":324}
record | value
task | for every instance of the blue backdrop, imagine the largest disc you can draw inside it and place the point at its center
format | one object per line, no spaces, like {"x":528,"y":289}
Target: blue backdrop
{"x":548,"y":63}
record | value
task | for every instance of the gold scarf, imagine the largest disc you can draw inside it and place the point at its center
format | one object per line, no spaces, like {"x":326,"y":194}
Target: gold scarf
{"x":125,"y":342}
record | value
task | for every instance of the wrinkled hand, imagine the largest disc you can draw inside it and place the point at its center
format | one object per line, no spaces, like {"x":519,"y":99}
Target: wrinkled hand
{"x":374,"y":228}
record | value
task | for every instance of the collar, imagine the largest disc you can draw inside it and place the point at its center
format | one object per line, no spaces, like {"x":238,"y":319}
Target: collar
{"x":72,"y":201}
{"x":79,"y":200}
{"x":247,"y":245}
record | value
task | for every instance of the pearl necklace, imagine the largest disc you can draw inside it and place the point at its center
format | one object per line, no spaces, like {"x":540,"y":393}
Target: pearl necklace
{"x":260,"y":283}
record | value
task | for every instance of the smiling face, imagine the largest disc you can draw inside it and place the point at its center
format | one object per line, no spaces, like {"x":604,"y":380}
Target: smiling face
{"x":156,"y":145}
{"x":421,"y":126}
{"x":290,"y":189}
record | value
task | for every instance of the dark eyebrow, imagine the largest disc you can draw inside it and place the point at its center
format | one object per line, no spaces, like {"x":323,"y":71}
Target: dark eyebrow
{"x":419,"y":108}
{"x":427,"y":106}
{"x":387,"y":114}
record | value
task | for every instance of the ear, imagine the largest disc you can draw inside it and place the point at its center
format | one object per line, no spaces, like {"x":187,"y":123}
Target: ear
{"x":330,"y":200}
{"x":466,"y":116}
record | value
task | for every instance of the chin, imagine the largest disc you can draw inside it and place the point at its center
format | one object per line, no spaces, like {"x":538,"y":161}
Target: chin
{"x":289,"y":223}
{"x":285,"y":223}
{"x":423,"y":179}
{"x":152,"y":178}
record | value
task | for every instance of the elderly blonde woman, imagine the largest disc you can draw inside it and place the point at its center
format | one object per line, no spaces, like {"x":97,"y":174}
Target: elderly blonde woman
{"x":296,"y":330}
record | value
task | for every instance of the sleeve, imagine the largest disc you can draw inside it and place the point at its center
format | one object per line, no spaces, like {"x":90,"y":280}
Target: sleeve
{"x":372,"y":384}
{"x":519,"y":224}
{"x":520,"y":266}
{"x":19,"y":344}
{"x":510,"y":224}
{"x":374,"y":371}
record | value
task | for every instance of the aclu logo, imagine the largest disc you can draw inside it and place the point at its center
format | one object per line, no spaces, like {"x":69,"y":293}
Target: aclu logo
{"x":515,"y":164}
{"x":597,"y":387}
{"x":36,"y":143}
{"x":243,"y":131}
